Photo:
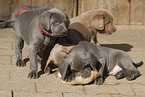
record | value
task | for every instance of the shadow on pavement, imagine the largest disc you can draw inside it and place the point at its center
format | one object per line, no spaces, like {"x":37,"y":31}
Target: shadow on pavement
{"x":125,"y":47}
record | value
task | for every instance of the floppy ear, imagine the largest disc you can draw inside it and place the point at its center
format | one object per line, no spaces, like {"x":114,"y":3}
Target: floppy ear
{"x":92,"y":60}
{"x":44,"y":19}
{"x":64,"y":69}
{"x":67,"y":49}
{"x":98,"y":22}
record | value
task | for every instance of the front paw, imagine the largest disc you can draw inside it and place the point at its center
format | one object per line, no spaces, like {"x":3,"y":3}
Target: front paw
{"x":33,"y":75}
{"x":99,"y":81}
{"x":20,"y":63}
{"x":47,"y":70}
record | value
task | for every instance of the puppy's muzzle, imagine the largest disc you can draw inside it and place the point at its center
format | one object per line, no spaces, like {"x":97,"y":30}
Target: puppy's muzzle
{"x":61,"y":31}
{"x":114,"y":29}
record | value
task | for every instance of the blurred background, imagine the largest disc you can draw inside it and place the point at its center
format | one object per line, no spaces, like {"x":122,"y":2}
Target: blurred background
{"x":125,"y":12}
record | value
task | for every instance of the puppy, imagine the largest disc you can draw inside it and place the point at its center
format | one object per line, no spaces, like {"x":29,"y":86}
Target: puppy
{"x":96,"y":20}
{"x":39,"y":32}
{"x":97,"y":58}
{"x":57,"y":54}
{"x":76,"y":32}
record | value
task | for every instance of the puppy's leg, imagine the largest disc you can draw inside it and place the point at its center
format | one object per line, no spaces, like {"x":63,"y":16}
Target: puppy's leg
{"x":96,"y":40}
{"x":126,"y":63}
{"x":121,"y":74}
{"x":33,"y":62}
{"x":46,"y":54}
{"x":131,"y":75}
{"x":101,"y":67}
{"x":47,"y":69}
{"x":19,"y":43}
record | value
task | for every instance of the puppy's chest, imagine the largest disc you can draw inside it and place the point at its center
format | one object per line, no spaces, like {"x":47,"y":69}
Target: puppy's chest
{"x":47,"y":42}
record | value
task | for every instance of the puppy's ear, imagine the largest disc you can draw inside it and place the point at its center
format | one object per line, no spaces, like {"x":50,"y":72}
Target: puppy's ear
{"x":98,"y":22}
{"x":92,"y":60}
{"x":64,"y":69}
{"x":67,"y":49}
{"x":44,"y":19}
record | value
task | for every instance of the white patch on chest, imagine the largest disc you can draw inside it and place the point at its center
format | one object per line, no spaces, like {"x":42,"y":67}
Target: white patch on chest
{"x":59,"y":75}
{"x":115,"y":70}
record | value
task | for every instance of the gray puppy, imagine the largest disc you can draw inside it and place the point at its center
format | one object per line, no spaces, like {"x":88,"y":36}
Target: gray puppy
{"x":39,"y":31}
{"x":87,"y":56}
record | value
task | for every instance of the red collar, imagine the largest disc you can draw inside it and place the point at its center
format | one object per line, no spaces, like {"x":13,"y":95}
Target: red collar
{"x":43,"y":32}
{"x":22,"y":10}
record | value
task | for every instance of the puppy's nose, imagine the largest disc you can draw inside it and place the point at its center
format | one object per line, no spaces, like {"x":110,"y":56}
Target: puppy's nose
{"x":114,"y":29}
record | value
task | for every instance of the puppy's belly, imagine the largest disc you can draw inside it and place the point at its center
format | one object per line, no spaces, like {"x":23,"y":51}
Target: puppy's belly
{"x":115,"y":70}
{"x":81,"y":80}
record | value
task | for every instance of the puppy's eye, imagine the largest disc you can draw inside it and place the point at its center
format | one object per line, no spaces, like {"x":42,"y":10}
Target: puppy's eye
{"x":108,"y":23}
{"x":56,"y":21}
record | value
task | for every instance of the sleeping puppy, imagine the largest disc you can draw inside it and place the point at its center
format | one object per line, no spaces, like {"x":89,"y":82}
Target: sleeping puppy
{"x":40,"y":33}
{"x":76,"y":32}
{"x":104,"y":60}
{"x":96,"y":20}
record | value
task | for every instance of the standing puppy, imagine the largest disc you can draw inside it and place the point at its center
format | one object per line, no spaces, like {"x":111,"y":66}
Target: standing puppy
{"x":39,"y":32}
{"x":96,"y":20}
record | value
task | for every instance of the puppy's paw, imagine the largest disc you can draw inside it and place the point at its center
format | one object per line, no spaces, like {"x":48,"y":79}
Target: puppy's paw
{"x":47,"y":70}
{"x":20,"y":63}
{"x":99,"y":81}
{"x":131,"y":75}
{"x":33,"y":75}
{"x":121,"y":74}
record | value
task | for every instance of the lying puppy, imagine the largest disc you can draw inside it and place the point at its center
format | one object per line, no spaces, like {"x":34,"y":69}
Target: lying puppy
{"x":76,"y":32}
{"x":39,"y":32}
{"x":96,"y":20}
{"x":104,"y":60}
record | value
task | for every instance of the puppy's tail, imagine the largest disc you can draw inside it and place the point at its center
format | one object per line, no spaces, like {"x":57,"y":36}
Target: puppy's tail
{"x":138,"y":64}
{"x":6,"y":24}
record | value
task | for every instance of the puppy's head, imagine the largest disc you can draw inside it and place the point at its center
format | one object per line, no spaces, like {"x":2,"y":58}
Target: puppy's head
{"x":79,"y":67}
{"x":102,"y":21}
{"x":55,"y":22}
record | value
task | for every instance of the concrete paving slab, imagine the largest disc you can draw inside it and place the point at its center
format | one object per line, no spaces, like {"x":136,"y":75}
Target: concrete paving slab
{"x":5,"y":60}
{"x":52,"y":84}
{"x":6,"y":46}
{"x":75,"y":95}
{"x":7,"y":33}
{"x":139,"y":89}
{"x":32,"y":94}
{"x":118,"y":89}
{"x":5,"y":93}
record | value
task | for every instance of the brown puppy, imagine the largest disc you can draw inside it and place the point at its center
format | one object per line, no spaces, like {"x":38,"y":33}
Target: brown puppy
{"x":96,"y":20}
